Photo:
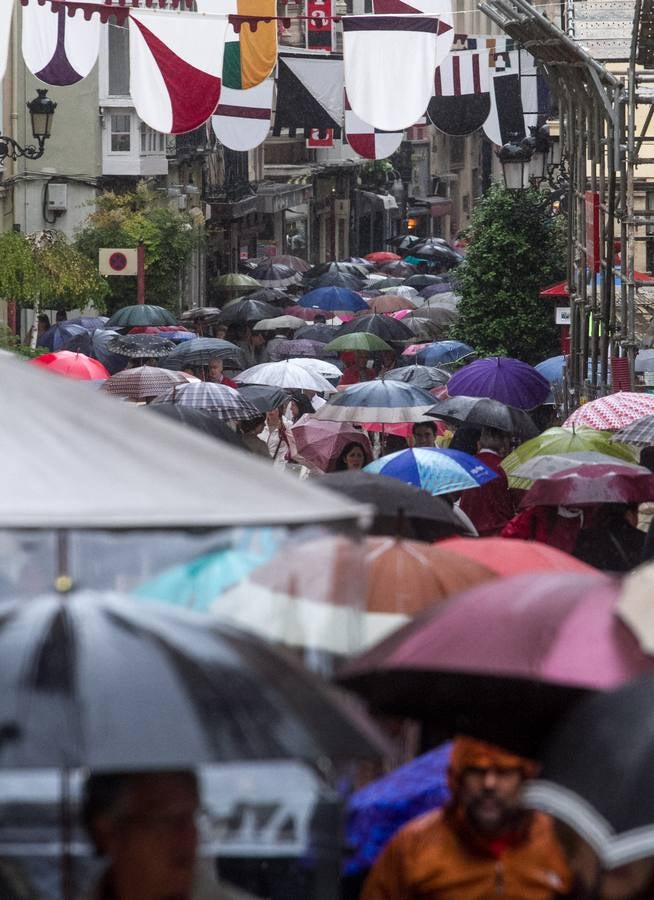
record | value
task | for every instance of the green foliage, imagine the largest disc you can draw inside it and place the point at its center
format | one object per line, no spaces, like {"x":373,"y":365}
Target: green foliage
{"x":516,"y":247}
{"x":123,"y":220}
{"x":44,"y":270}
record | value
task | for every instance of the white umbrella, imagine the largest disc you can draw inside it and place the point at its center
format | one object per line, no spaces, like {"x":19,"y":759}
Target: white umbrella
{"x":288,"y":373}
{"x":402,"y":290}
{"x":322,"y":366}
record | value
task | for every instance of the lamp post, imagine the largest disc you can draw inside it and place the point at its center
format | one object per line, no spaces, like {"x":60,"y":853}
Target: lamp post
{"x":515,"y":158}
{"x":41,"y":110}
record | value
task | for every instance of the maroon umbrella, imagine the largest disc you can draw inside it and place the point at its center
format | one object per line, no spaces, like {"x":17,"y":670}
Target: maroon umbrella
{"x":592,"y":483}
{"x":504,"y":661}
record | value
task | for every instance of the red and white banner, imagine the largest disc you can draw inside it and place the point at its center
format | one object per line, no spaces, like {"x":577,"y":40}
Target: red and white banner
{"x":318,"y":139}
{"x":319,"y":25}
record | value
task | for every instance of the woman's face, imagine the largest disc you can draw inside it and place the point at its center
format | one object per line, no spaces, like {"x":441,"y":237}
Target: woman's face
{"x":355,"y":458}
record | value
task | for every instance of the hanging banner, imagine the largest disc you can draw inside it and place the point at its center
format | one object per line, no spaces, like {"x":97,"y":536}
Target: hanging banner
{"x":319,"y":25}
{"x":318,"y":138}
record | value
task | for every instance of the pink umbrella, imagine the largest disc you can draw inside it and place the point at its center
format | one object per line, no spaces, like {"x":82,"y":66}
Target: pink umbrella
{"x":612,"y":412}
{"x":591,"y":484}
{"x":319,"y":444}
{"x":505,"y":660}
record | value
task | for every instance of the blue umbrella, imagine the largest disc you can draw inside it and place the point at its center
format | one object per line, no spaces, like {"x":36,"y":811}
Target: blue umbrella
{"x":333,"y":298}
{"x":434,"y":469}
{"x":90,"y":322}
{"x":378,"y":810}
{"x":95,"y":344}
{"x":443,"y":352}
{"x":552,"y":369}
{"x":59,"y":336}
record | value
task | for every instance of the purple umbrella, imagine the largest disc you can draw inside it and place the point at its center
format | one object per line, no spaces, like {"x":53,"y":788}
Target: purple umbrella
{"x":501,"y":378}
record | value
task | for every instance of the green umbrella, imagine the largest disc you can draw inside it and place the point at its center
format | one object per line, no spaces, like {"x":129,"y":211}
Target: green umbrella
{"x":560,"y":442}
{"x":235,"y":283}
{"x":360,"y":340}
{"x":141,"y":314}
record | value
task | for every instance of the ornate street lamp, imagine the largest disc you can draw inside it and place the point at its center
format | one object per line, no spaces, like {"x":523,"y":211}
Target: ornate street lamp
{"x":41,"y":110}
{"x":540,"y":143}
{"x":515,"y":158}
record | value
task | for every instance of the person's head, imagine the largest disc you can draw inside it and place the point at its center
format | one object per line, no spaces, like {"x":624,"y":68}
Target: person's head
{"x":352,"y":457}
{"x":424,"y":434}
{"x":61,"y":315}
{"x":144,"y":824}
{"x":299,"y":405}
{"x":215,"y":369}
{"x":485,"y":782}
{"x":42,"y":323}
{"x":220,"y":331}
{"x":494,"y":439}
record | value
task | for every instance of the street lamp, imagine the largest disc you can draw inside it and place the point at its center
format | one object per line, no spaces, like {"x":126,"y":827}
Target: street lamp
{"x":515,"y":158}
{"x":41,"y":110}
{"x":540,"y":144}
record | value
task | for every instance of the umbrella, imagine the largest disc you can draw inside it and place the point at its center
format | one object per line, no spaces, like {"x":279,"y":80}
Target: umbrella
{"x":218,"y":399}
{"x":425,"y":377}
{"x":442,"y":353}
{"x":322,"y":366}
{"x":105,"y":683}
{"x":301,"y":312}
{"x":399,"y":290}
{"x":592,"y":483}
{"x":246,"y":310}
{"x":58,"y":337}
{"x":405,"y":241}
{"x":285,"y":374}
{"x":200,"y":351}
{"x":272,"y":295}
{"x":436,"y":250}
{"x":377,"y":401}
{"x":378,"y":810}
{"x":293,"y":262}
{"x":90,"y":323}
{"x":347,"y":280}
{"x":382,"y":256}
{"x":319,"y":444}
{"x":542,"y":466}
{"x":422,"y":281}
{"x":399,"y":269}
{"x":322,"y":333}
{"x":200,"y":420}
{"x":440,"y":293}
{"x":484,"y":412}
{"x":389,"y":303}
{"x":333,"y":298}
{"x":141,"y":314}
{"x":436,"y":470}
{"x":510,"y":556}
{"x":160,"y":329}
{"x":282,"y":349}
{"x":140,"y":346}
{"x":235,"y":284}
{"x":613,"y":412}
{"x":336,"y":268}
{"x":143,"y":382}
{"x":397,"y":579}
{"x":400,"y":509}
{"x":639,"y":432}
{"x":425,"y":328}
{"x":96,"y":345}
{"x":279,"y":323}
{"x":505,"y":660}
{"x":597,"y":775}
{"x":501,"y":378}
{"x":72,"y":365}
{"x":359,"y":340}
{"x":275,"y":275}
{"x":262,"y":396}
{"x":386,"y":328}
{"x":201,"y":315}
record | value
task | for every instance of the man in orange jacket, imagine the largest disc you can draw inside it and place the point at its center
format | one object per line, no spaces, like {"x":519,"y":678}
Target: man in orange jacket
{"x":481,"y":846}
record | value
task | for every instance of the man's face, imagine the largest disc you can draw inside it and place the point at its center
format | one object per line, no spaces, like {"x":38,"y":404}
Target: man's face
{"x":423,"y":436}
{"x":153,"y":843}
{"x":491,"y":798}
{"x":215,"y":369}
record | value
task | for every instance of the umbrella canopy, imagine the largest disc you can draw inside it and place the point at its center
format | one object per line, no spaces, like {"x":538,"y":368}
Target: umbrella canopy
{"x":442,"y":353}
{"x":360,"y":340}
{"x":275,"y":275}
{"x":382,"y":256}
{"x":288,"y":373}
{"x":590,"y":484}
{"x":160,"y":329}
{"x":71,"y":365}
{"x":201,"y":315}
{"x":201,"y":420}
{"x":506,"y":660}
{"x":333,"y":299}
{"x":440,"y":292}
{"x":639,"y":432}
{"x":436,"y":250}
{"x":262,"y":396}
{"x":422,"y":281}
{"x":424,"y":377}
{"x":399,"y":269}
{"x":436,"y":470}
{"x":399,"y":290}
{"x":322,"y":366}
{"x":143,"y":382}
{"x":282,"y":349}
{"x":596,"y":774}
{"x":510,"y":556}
{"x":613,"y":412}
{"x":389,"y":303}
{"x":386,"y":328}
{"x":58,"y":337}
{"x":234,"y":284}
{"x":284,"y":600}
{"x":292,"y":262}
{"x":200,"y":351}
{"x":141,"y":346}
{"x":319,"y":444}
{"x":90,"y":323}
{"x":115,"y":660}
{"x":319,"y":332}
{"x":96,"y":345}
{"x":335,"y":268}
{"x":140,"y":314}
{"x":483,"y":412}
{"x":501,"y":378}
{"x":285,"y":323}
{"x":246,"y":310}
{"x":405,"y":241}
{"x":542,"y":466}
{"x":350,"y":281}
{"x":224,"y":402}
{"x":377,"y":401}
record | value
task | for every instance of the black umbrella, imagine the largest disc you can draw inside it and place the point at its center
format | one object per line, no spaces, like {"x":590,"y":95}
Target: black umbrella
{"x":59,"y":336}
{"x":271,"y":295}
{"x":200,"y":419}
{"x":97,"y":680}
{"x":141,"y":346}
{"x":437,"y":251}
{"x":421,"y":281}
{"x":337,"y":279}
{"x":483,"y":412}
{"x":597,"y":773}
{"x":96,"y":345}
{"x":322,"y":333}
{"x":405,"y":241}
{"x":335,"y":268}
{"x":427,"y":329}
{"x":385,"y":327}
{"x":264,"y":397}
{"x":275,"y":275}
{"x":247,"y":310}
{"x":400,"y":509}
{"x":425,"y":377}
{"x":201,"y":315}
{"x":200,"y":351}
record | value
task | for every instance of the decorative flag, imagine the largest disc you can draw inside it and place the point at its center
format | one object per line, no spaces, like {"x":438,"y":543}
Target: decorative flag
{"x":517,"y":101}
{"x":242,"y":118}
{"x":389,"y":64}
{"x":309,"y":93}
{"x":316,"y":140}
{"x":176,"y":62}
{"x":367,"y":141}
{"x":257,"y":42}
{"x":59,"y":49}
{"x":461,"y":101}
{"x":440,"y":8}
{"x":319,"y":25}
{"x":6,"y":10}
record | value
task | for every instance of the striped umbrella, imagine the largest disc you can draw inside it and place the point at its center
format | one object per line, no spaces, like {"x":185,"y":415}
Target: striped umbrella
{"x":144,"y":382}
{"x":224,"y":402}
{"x":276,"y":275}
{"x":434,"y":469}
{"x":200,"y":351}
{"x":378,"y":401}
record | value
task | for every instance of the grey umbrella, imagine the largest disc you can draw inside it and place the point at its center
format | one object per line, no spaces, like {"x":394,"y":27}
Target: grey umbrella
{"x":200,"y":351}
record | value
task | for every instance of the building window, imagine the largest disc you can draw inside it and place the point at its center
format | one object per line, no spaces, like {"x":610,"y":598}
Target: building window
{"x":118,"y":61}
{"x":120,"y":133}
{"x":151,"y":141}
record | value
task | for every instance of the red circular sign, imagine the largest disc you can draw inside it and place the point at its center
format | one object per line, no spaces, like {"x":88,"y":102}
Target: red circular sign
{"x":117,"y":262}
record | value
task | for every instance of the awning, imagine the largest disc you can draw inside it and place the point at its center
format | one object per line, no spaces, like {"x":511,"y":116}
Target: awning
{"x":434,"y":207}
{"x":231,"y":210}
{"x":272,"y":197}
{"x":383,"y":201}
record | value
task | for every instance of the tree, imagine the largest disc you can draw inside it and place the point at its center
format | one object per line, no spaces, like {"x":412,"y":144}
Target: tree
{"x":516,"y":247}
{"x":123,"y":220}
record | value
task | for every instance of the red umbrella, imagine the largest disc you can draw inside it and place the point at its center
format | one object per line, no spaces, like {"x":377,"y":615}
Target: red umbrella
{"x":382,"y":256}
{"x":72,"y":365}
{"x":504,"y":661}
{"x":592,"y":483}
{"x":507,"y":556}
{"x":293,"y":262}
